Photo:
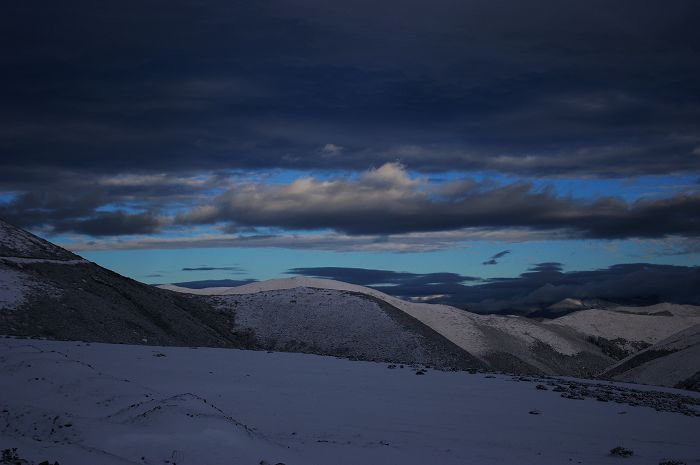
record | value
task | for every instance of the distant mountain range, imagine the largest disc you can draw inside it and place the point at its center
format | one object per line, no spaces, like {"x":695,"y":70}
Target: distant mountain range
{"x":46,"y":291}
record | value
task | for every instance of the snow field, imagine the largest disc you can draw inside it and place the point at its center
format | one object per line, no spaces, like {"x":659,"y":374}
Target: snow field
{"x":214,"y":406}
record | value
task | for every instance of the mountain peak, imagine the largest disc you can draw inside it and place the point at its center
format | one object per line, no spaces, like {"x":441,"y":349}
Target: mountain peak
{"x":16,"y":242}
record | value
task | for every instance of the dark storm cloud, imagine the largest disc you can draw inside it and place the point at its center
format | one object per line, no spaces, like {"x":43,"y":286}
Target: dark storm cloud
{"x":544,"y":285}
{"x":112,"y":223}
{"x":365,"y":277}
{"x":40,"y":208}
{"x":388,"y":201}
{"x":545,"y":88}
{"x":625,"y":283}
{"x":547,"y":267}
{"x":78,"y":213}
{"x":103,"y":205}
{"x":403,"y":284}
{"x":215,"y":283}
{"x":494,"y":259}
{"x":235,"y":269}
{"x":395,"y":202}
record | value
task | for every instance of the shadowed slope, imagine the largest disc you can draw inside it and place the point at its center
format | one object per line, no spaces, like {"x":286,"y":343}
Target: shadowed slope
{"x":47,"y":291}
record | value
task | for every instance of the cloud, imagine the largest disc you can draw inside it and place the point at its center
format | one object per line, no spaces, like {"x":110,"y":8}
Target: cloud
{"x":380,"y":202}
{"x":386,"y":200}
{"x":366,"y":277}
{"x":215,"y":283}
{"x":416,"y":286}
{"x":235,"y":269}
{"x":494,"y":259}
{"x":443,"y":87}
{"x":78,"y":213}
{"x":412,"y":242}
{"x":546,"y":284}
{"x":547,"y":267}
{"x":113,"y":223}
{"x":109,"y":205}
{"x":543,"y":285}
{"x":561,"y":90}
{"x":332,"y":149}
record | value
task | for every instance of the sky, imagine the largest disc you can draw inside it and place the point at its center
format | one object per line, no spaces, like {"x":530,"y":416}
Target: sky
{"x":465,"y":142}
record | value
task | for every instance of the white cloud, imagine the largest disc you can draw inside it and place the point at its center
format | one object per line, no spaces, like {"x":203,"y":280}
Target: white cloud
{"x":332,"y":149}
{"x":388,"y":200}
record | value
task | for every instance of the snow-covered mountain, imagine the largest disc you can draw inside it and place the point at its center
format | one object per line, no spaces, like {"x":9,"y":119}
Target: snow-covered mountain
{"x":582,"y":343}
{"x":18,"y":243}
{"x":673,"y":362}
{"x":567,"y":304}
{"x":622,"y":331}
{"x":515,"y":344}
{"x":341,"y":323}
{"x":49,"y":292}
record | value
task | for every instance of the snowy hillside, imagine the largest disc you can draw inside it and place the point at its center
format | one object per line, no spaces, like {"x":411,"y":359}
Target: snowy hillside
{"x":582,"y":343}
{"x":47,"y":291}
{"x":331,"y":322}
{"x":17,"y":249}
{"x":630,"y":329}
{"x":662,"y":309}
{"x":500,"y":342}
{"x":674,"y":362}
{"x":79,"y":403}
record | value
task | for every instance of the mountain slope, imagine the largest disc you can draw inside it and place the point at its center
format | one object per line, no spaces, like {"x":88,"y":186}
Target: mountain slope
{"x":622,"y":331}
{"x":59,"y":295}
{"x":47,"y":291}
{"x":582,"y":343}
{"x":673,"y":362}
{"x":16,"y":242}
{"x":341,"y":323}
{"x":505,"y":343}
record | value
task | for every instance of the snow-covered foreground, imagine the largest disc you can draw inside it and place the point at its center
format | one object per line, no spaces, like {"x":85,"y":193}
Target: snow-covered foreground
{"x":81,"y":403}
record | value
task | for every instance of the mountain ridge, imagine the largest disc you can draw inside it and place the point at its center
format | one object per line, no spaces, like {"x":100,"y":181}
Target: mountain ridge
{"x":582,"y":343}
{"x":47,"y":291}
